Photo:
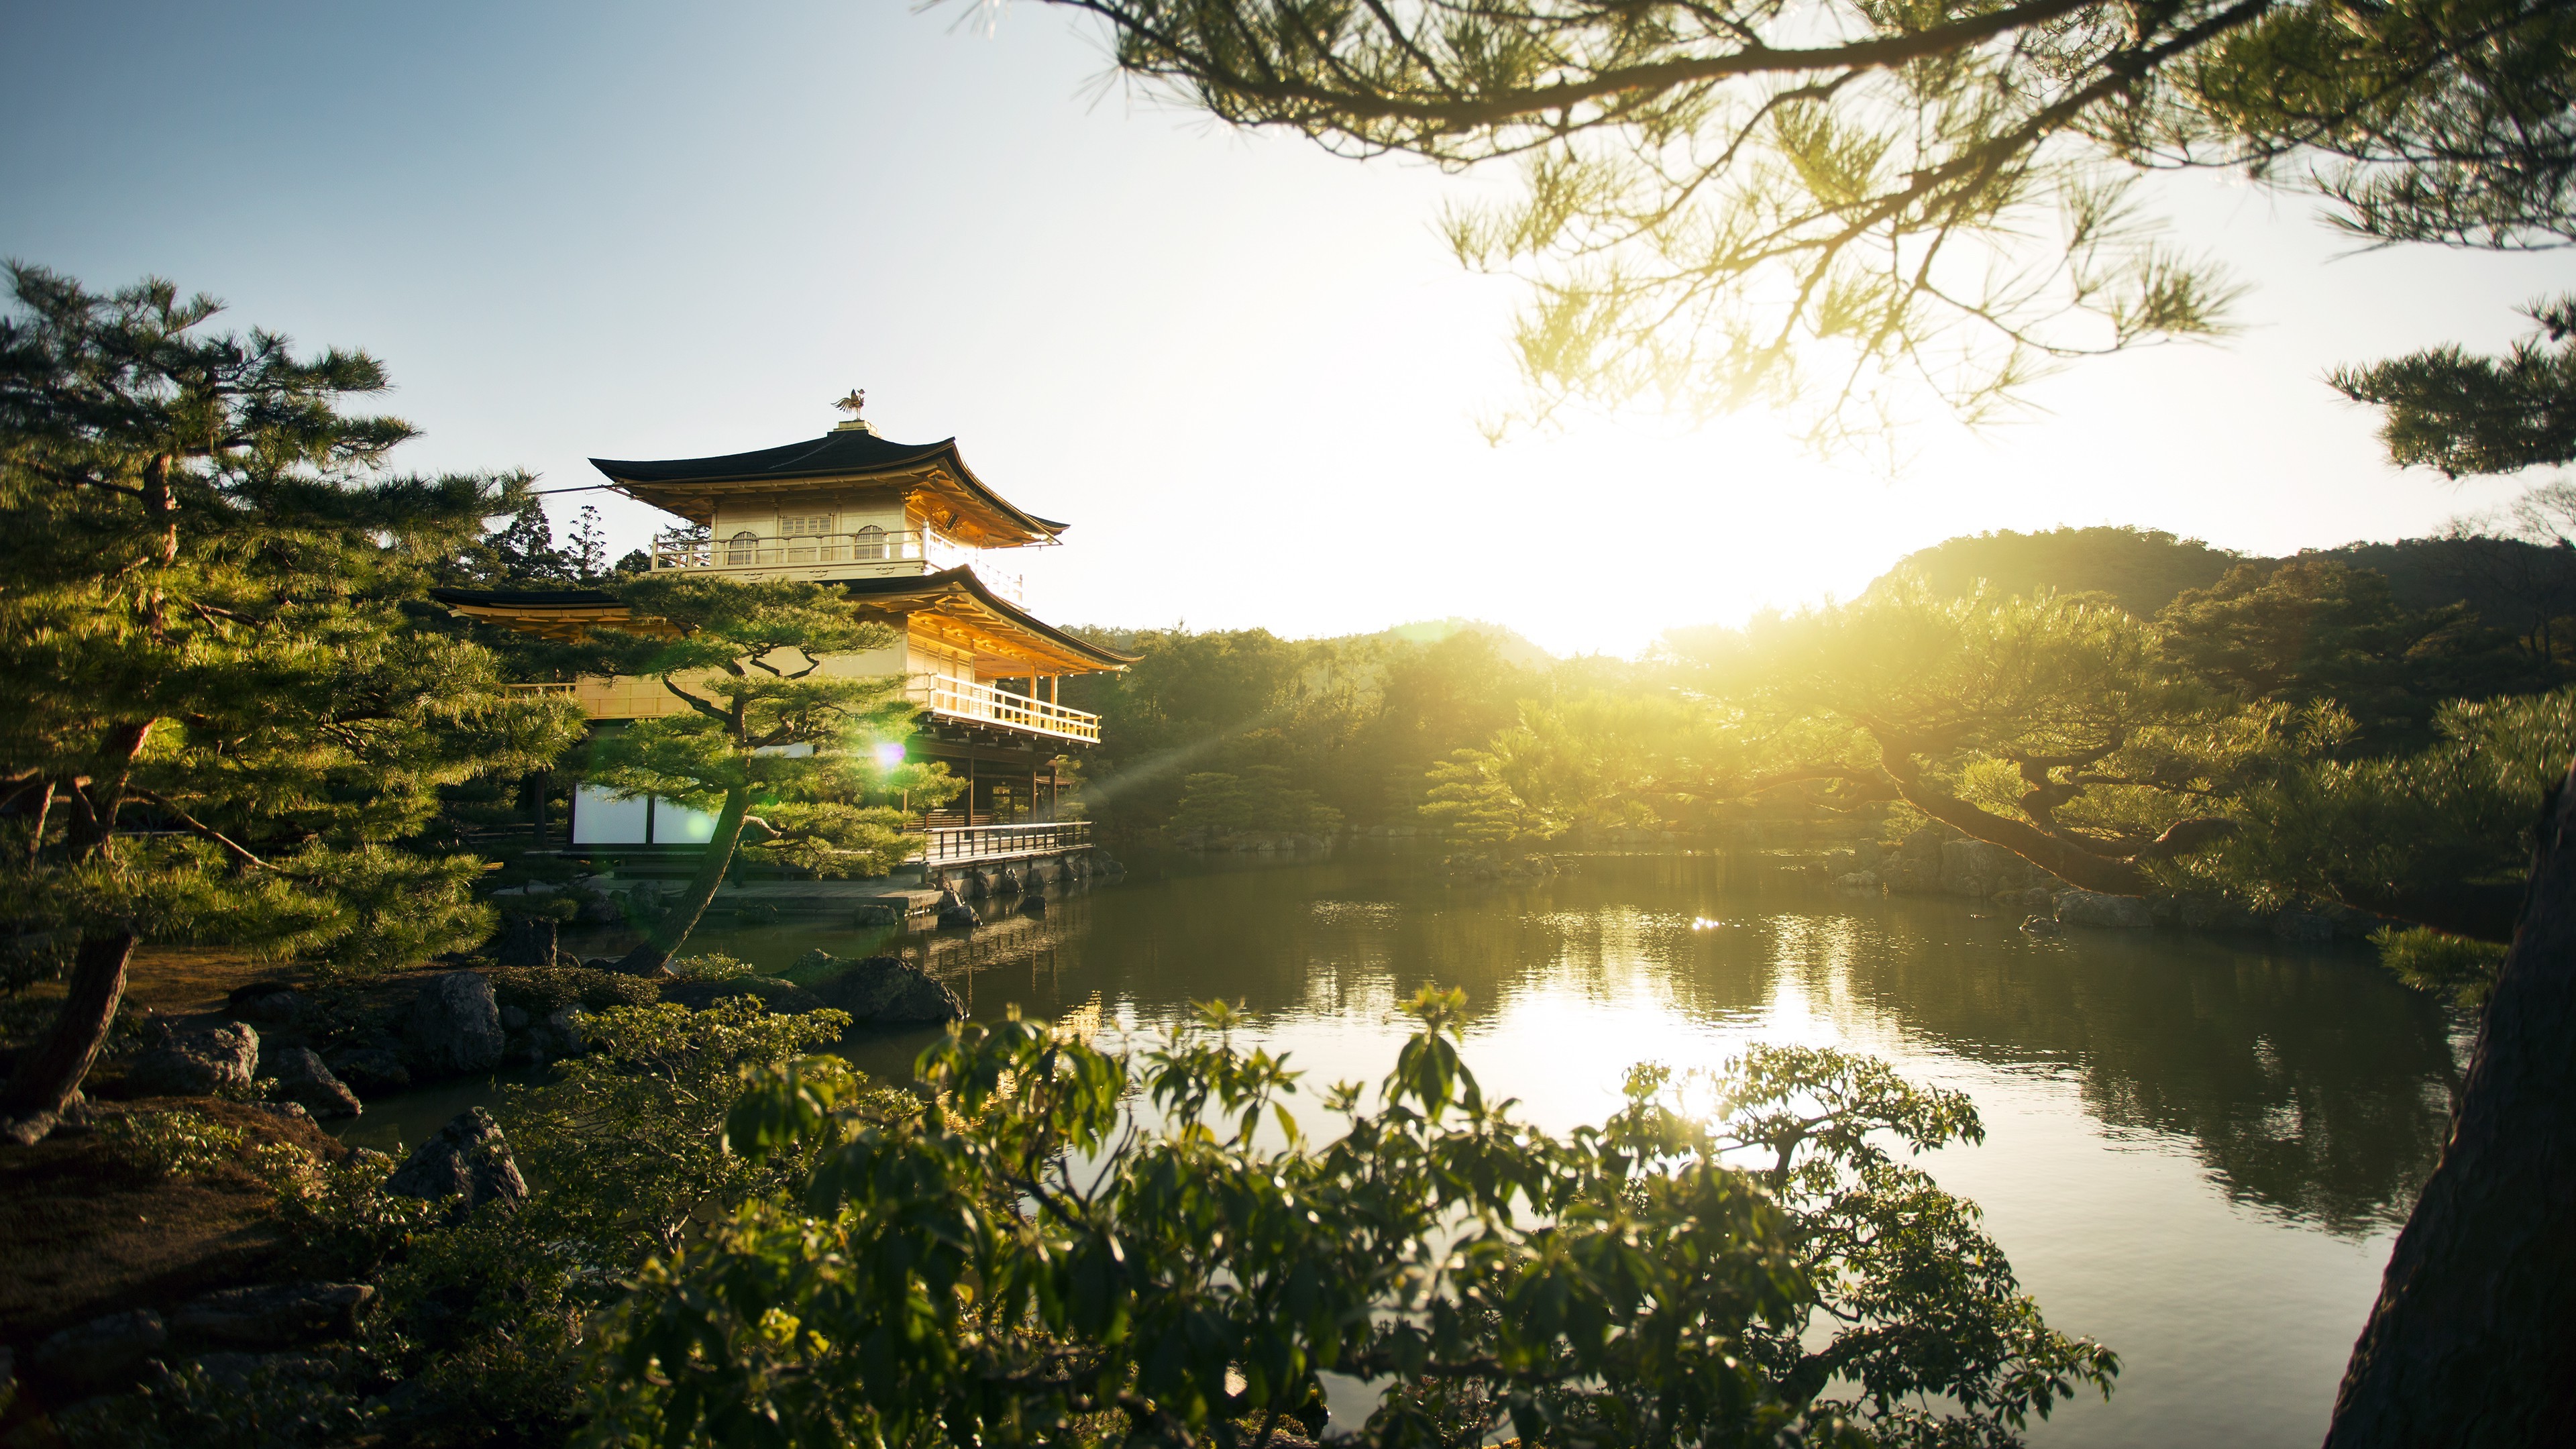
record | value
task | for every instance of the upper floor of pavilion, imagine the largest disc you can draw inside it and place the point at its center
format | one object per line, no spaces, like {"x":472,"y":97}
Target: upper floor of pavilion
{"x":848,"y":505}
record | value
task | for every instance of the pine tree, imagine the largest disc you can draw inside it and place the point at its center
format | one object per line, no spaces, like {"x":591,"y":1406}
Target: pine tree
{"x":767,"y":728}
{"x":1471,"y":806}
{"x":216,"y":720}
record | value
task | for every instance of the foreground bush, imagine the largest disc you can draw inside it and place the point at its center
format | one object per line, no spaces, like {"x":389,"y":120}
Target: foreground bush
{"x":1037,"y":1259}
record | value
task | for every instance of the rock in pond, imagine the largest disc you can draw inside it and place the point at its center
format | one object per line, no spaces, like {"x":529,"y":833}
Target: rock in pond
{"x":890,"y":991}
{"x":1033,"y":905}
{"x":2093,"y":908}
{"x":370,"y":1065}
{"x":468,"y":1159}
{"x":301,"y":1077}
{"x":197,"y":1063}
{"x":455,"y":1026}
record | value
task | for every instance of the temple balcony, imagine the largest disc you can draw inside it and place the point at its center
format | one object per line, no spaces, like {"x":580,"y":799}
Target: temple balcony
{"x":982,"y":704}
{"x":630,"y":697}
{"x":866,"y":553}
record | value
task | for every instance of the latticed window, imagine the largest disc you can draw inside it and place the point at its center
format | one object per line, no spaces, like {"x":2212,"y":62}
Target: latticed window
{"x":870,"y":543}
{"x":740,"y":547}
{"x":804,"y":525}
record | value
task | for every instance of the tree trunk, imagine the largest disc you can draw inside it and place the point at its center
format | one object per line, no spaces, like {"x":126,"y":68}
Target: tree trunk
{"x":2071,"y":864}
{"x":2473,"y":1339}
{"x":52,"y":1070}
{"x":662,"y":939}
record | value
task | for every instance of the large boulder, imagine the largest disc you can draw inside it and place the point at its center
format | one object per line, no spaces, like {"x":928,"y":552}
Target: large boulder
{"x":301,"y":1077}
{"x":890,"y":991}
{"x":455,"y":1026}
{"x":2093,"y":908}
{"x":99,"y":1356}
{"x":1977,"y":870}
{"x":274,"y":1002}
{"x":1914,"y":868}
{"x":281,"y":1315}
{"x":197,"y":1063}
{"x":527,"y":940}
{"x":371,"y":1065}
{"x":467,"y":1162}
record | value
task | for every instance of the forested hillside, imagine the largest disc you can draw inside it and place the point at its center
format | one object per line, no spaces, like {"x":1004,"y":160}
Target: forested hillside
{"x":2520,"y":584}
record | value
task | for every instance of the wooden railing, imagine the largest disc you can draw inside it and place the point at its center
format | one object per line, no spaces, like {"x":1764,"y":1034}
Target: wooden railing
{"x":866,"y":552}
{"x":993,"y":706}
{"x":953,"y":844}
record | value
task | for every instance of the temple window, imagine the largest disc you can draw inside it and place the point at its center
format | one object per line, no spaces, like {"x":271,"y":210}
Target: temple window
{"x":740,"y":547}
{"x":870,"y":543}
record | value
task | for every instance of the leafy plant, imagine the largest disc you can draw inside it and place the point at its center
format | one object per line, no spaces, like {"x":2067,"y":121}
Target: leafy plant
{"x":176,"y":1143}
{"x":339,"y":1212}
{"x":710,"y":967}
{"x":1036,"y":1258}
{"x":542,"y":991}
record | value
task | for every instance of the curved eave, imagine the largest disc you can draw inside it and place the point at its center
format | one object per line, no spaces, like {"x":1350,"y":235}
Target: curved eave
{"x":664,"y":482}
{"x":960,"y":583}
{"x":573,"y":613}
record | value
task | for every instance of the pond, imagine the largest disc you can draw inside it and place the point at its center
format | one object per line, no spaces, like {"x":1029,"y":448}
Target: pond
{"x":2198,"y":1150}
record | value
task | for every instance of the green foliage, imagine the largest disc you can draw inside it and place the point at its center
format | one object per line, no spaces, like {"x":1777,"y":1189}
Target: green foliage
{"x":541,"y":991}
{"x":1912,"y":1301}
{"x":485,"y":1320}
{"x":2052,"y":726}
{"x":2429,"y":960}
{"x":176,"y":1143}
{"x":1839,"y":210}
{"x":285,"y":1404}
{"x":1258,"y":800}
{"x":1469,"y":805}
{"x":629,"y":1138}
{"x":1030,"y":1260}
{"x":770,"y":723}
{"x":2139,"y":569}
{"x":2460,"y":414}
{"x":709,"y":967}
{"x":1355,"y":721}
{"x":2315,"y":630}
{"x":204,"y":638}
{"x":2448,"y":823}
{"x":339,"y":1213}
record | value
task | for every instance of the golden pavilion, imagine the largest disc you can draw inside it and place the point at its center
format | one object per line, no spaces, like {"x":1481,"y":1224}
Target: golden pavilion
{"x":908,"y":530}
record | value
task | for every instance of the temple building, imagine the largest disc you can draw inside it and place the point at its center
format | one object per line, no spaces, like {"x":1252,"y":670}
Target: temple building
{"x":910,"y":532}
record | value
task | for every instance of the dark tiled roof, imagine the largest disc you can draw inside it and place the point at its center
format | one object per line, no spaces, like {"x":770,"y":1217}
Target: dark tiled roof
{"x":960,"y":576}
{"x":835,"y":454}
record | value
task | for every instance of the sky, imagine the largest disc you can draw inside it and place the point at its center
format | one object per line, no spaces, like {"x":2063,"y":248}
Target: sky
{"x":1249,"y":373}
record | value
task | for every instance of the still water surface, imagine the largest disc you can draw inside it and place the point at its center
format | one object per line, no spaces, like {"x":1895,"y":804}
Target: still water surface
{"x":2198,"y":1148}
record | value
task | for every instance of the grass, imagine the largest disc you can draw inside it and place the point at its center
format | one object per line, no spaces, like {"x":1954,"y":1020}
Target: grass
{"x":185,"y":980}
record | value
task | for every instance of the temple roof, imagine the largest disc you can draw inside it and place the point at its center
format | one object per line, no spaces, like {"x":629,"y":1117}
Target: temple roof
{"x":964,"y":607}
{"x":687,"y":486}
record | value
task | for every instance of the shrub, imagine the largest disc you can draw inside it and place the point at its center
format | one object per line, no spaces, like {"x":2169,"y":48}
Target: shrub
{"x":541,"y":991}
{"x":278,"y":1405}
{"x":339,"y":1213}
{"x":176,"y":1143}
{"x":709,"y":967}
{"x":1033,"y":1251}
